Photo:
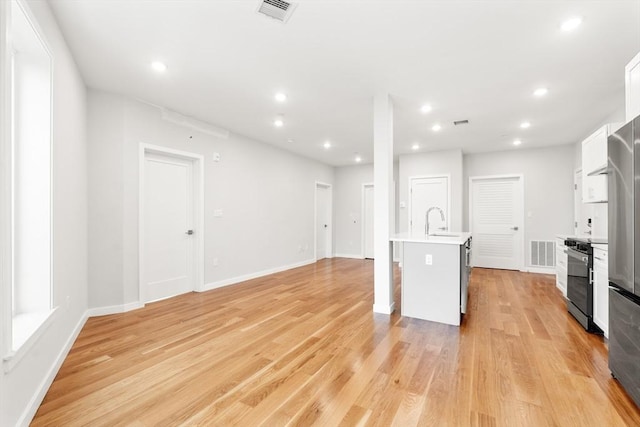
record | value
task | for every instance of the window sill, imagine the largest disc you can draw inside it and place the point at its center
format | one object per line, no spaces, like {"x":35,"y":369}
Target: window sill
{"x":27,"y":330}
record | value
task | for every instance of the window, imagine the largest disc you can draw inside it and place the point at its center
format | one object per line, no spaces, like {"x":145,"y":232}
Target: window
{"x":27,"y":71}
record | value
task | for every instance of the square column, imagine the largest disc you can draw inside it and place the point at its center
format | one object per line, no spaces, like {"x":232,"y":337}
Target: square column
{"x":383,"y":203}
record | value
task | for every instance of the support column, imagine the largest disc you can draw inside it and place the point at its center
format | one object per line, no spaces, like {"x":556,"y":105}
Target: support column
{"x":383,"y":203}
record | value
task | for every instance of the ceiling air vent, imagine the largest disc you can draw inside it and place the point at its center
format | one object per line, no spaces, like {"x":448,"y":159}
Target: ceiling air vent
{"x":461,"y":122}
{"x":276,"y":9}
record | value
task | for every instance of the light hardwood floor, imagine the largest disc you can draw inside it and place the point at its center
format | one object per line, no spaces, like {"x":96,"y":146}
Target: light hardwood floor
{"x":303,"y":347}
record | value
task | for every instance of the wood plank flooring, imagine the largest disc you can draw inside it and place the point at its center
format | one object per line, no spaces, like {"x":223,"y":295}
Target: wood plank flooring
{"x":303,"y":347}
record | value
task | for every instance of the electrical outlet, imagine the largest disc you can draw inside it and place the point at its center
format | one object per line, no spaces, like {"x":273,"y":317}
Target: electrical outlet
{"x":428,"y":259}
{"x":217,"y":213}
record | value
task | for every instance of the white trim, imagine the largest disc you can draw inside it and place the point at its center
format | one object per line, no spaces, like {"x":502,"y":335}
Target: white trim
{"x":245,"y":277}
{"x":521,"y":256}
{"x":329,"y":248}
{"x":384,"y":309}
{"x":36,"y":400}
{"x":5,"y":184}
{"x":114,"y":309}
{"x":352,"y":256}
{"x":198,"y":211}
{"x":13,"y":357}
{"x":362,"y":217}
{"x":411,"y":178}
{"x":539,"y":270}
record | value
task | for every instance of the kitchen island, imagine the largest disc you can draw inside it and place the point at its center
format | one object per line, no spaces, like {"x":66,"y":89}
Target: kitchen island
{"x":435,"y":275}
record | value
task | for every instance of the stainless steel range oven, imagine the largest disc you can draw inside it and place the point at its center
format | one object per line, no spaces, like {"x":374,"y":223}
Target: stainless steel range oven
{"x":580,"y":283}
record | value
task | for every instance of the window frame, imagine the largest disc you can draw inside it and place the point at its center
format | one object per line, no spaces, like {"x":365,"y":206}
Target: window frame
{"x":42,"y":319}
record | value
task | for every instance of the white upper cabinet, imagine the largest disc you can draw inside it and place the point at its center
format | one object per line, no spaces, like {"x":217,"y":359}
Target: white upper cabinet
{"x":632,"y":88}
{"x":594,"y":152}
{"x":594,"y":165}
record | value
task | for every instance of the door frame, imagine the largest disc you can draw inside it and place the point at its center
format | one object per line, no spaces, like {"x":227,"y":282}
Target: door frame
{"x":329,"y":242}
{"x":521,"y":253}
{"x":410,"y":179}
{"x":362,"y":217}
{"x":197,"y":170}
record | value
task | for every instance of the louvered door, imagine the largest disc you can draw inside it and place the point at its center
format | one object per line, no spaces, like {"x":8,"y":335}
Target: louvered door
{"x":496,"y":222}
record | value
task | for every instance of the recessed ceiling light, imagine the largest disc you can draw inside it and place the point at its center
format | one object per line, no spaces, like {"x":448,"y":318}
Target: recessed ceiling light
{"x":525,"y":125}
{"x":415,"y":147}
{"x":158,"y":66}
{"x":425,"y":108}
{"x":280,"y":97}
{"x":358,"y":159}
{"x":278,"y":122}
{"x":436,"y":127}
{"x":327,"y":145}
{"x":541,"y":91}
{"x":571,"y":23}
{"x":517,"y":142}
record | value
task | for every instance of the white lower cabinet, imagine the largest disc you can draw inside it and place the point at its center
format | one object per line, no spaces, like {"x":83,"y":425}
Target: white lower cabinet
{"x":601,"y":289}
{"x":561,"y":266}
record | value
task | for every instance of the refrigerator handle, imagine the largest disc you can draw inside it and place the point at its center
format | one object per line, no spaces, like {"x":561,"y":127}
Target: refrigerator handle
{"x":591,"y":276}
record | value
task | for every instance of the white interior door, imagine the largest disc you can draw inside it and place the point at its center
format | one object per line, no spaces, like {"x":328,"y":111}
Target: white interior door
{"x":496,"y":222}
{"x":168,"y":217}
{"x":426,"y":193}
{"x":323,"y":221}
{"x":368,"y":221}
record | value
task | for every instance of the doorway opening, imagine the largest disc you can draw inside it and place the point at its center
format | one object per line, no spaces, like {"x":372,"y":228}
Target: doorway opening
{"x":367,"y":221}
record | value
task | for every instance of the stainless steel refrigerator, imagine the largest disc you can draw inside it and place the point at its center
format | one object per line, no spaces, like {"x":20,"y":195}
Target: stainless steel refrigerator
{"x":624,"y":256}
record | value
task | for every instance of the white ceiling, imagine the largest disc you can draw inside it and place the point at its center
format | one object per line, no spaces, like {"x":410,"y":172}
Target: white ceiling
{"x":475,"y":60}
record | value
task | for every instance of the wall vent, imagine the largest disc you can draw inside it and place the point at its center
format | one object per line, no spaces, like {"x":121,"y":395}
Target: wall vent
{"x":543,"y":253}
{"x":461,"y":122}
{"x":276,"y":9}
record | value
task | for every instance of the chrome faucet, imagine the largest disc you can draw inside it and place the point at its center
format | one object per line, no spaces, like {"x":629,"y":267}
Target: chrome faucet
{"x":426,"y":219}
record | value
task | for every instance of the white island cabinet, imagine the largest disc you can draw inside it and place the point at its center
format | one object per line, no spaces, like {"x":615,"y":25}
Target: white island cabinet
{"x":435,"y":276}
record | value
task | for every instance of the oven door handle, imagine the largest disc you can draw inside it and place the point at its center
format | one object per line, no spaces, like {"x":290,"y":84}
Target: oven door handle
{"x":577,"y":255}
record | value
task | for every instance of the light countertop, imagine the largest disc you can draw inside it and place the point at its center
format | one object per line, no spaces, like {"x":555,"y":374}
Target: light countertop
{"x":448,"y":238}
{"x":596,"y":240}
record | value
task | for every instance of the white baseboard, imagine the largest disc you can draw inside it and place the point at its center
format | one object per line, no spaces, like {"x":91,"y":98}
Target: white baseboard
{"x":114,"y":309}
{"x":36,"y":400}
{"x":540,"y":270}
{"x":353,"y":256}
{"x":244,"y":277}
{"x":384,"y":309}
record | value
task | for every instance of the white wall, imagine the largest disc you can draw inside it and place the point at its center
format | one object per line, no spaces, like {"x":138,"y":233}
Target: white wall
{"x":266,"y":195}
{"x":548,"y":187}
{"x":433,"y":163}
{"x":347,"y":215}
{"x":24,"y":386}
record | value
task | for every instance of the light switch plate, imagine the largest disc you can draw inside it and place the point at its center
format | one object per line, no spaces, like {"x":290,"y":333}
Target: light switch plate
{"x":217,"y":213}
{"x":216,"y":157}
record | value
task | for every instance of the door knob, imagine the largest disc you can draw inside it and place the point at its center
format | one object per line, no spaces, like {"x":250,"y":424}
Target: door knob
{"x":515,"y":228}
{"x":189,"y":232}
